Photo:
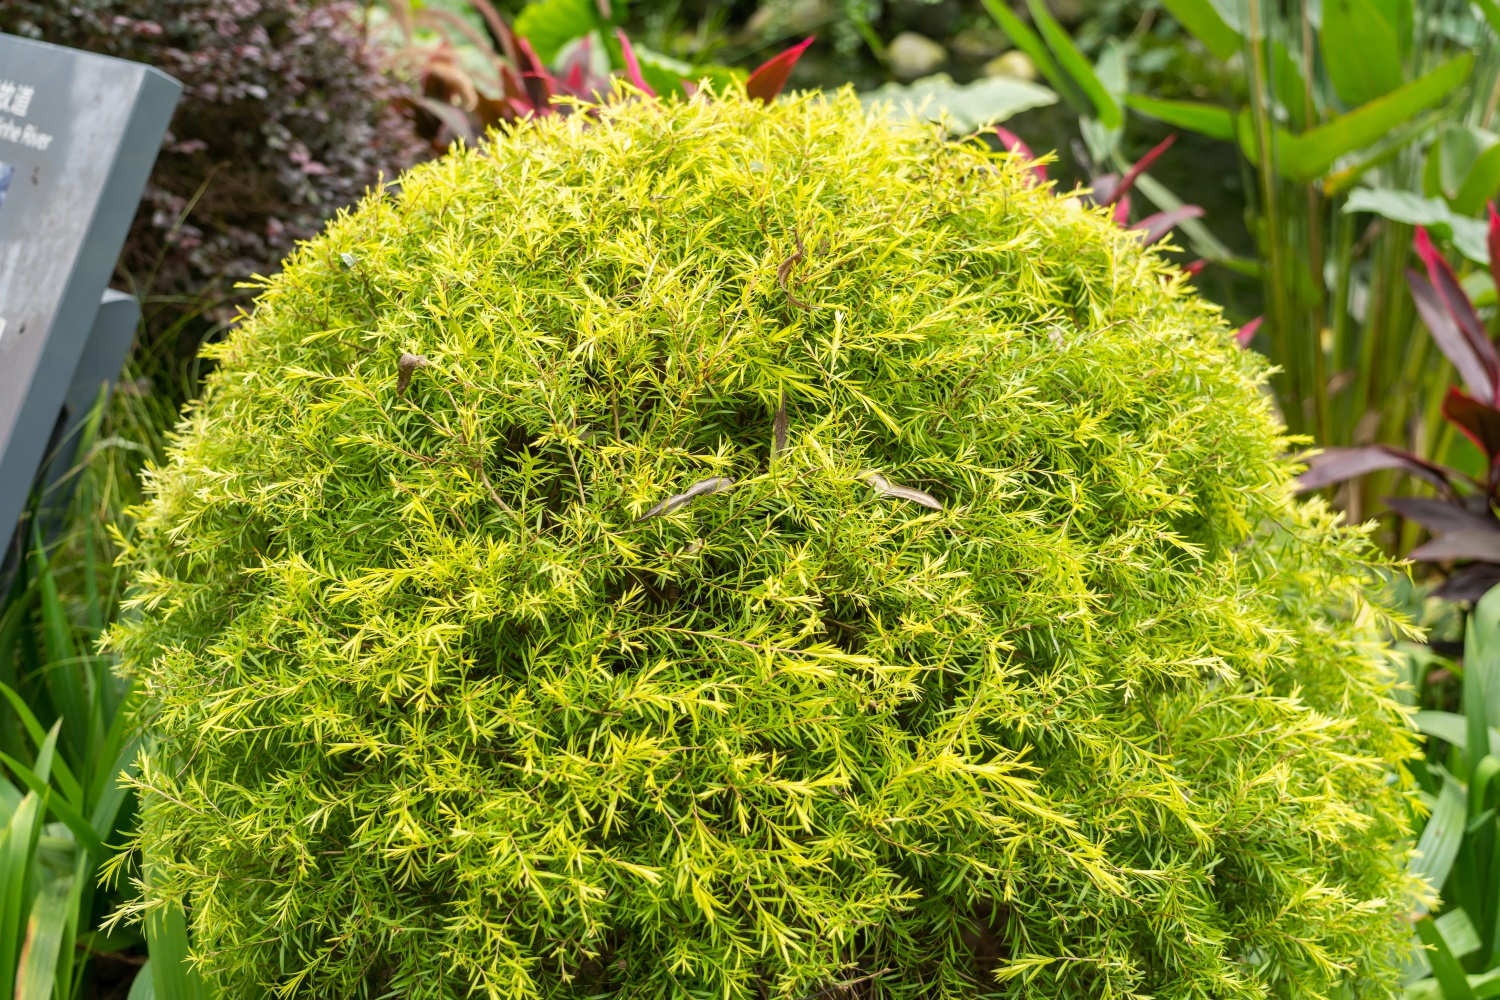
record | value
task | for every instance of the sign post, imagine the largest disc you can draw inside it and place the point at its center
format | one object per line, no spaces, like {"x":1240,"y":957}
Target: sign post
{"x":78,"y":135}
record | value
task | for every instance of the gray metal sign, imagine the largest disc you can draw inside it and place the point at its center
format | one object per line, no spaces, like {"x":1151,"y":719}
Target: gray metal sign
{"x":78,"y":135}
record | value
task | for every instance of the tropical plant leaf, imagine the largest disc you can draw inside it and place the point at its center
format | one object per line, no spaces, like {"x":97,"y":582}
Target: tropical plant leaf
{"x":632,"y":65}
{"x":1205,"y":23}
{"x":46,"y":930}
{"x":1361,"y":50}
{"x":550,"y":24}
{"x":1445,"y":283}
{"x":1440,"y":516}
{"x":1073,"y":62}
{"x":1480,"y":545}
{"x":1334,"y":465}
{"x":1153,"y":227}
{"x":1442,"y":836}
{"x":1466,"y":235}
{"x":1307,"y":156}
{"x":1469,"y":583}
{"x":1445,"y":968}
{"x":1480,"y":422}
{"x":172,"y":975}
{"x":769,"y":78}
{"x":1476,"y":366}
{"x":1013,"y":144}
{"x":1025,"y":39}
{"x":1204,"y":119}
{"x":965,"y":107}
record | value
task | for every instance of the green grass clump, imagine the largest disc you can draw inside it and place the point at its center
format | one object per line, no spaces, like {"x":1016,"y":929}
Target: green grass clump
{"x":715,"y":551}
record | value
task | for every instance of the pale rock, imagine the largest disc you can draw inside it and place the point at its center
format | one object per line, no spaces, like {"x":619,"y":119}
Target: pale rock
{"x":1014,"y":63}
{"x":911,"y":55}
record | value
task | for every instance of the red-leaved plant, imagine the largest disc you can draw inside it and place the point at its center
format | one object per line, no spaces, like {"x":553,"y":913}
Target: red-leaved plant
{"x":453,"y":104}
{"x":1113,"y":190}
{"x":1462,"y":517}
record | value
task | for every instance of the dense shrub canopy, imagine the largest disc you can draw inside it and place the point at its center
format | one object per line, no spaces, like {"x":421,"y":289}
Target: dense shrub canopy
{"x":715,"y":551}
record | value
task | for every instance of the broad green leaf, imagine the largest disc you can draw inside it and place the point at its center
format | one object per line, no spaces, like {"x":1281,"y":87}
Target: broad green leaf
{"x":1458,"y":932}
{"x":57,"y":805}
{"x":1205,"y":119}
{"x":45,"y":930}
{"x":66,"y":782}
{"x":1305,"y":157}
{"x":1445,"y":968}
{"x":1491,"y":11}
{"x":550,"y":24}
{"x":142,"y":986}
{"x":1466,"y":235}
{"x":18,"y":840}
{"x":1361,"y":50}
{"x":1451,"y":728}
{"x":1442,"y":836}
{"x":966,"y":107}
{"x":1452,"y":157}
{"x":167,"y":942}
{"x":1076,"y":65}
{"x":1204,"y":22}
{"x":1481,"y":184}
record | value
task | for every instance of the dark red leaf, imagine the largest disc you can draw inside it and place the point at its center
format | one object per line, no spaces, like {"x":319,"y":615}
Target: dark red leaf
{"x":633,"y":65}
{"x":451,"y":116}
{"x":1334,"y":465}
{"x":1456,"y":303}
{"x":1476,"y":372}
{"x":1154,"y":227}
{"x":1121,"y":214}
{"x":1195,"y":268}
{"x":1245,"y":333}
{"x":1480,"y":422}
{"x":1479,"y":545}
{"x":770,"y":77}
{"x":1013,"y":144}
{"x":540,"y":86}
{"x":1470,"y":583}
{"x":1494,"y":244}
{"x":1139,"y":167}
{"x":1439,"y":516}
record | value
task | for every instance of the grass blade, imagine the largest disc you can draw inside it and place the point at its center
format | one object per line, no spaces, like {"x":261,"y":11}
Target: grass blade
{"x":45,"y":931}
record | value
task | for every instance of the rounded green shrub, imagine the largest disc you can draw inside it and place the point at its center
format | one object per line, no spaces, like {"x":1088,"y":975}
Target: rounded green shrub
{"x":708,"y":550}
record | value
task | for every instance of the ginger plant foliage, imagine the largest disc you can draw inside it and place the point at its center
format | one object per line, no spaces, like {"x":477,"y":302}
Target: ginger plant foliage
{"x":700,"y":550}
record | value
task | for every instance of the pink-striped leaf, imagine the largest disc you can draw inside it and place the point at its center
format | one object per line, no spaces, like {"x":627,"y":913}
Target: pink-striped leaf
{"x":1247,"y":332}
{"x":1154,"y":227}
{"x":1014,"y":144}
{"x":1456,"y":303}
{"x":1138,"y":168}
{"x":633,"y":65}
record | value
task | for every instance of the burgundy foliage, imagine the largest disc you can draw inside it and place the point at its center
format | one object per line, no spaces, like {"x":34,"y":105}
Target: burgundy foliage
{"x":1462,"y":518}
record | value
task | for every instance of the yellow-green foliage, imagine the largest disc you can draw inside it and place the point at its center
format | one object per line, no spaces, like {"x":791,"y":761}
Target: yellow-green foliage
{"x":440,"y":707}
